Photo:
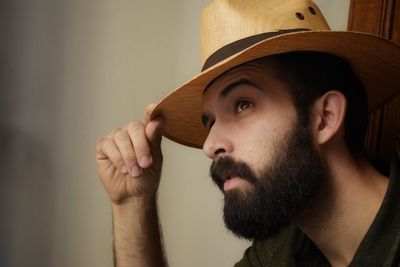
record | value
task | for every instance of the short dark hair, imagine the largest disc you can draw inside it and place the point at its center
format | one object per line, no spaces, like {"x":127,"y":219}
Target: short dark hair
{"x":312,"y":74}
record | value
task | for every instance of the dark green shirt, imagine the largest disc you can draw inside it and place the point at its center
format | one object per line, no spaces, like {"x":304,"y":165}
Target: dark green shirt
{"x":380,"y":246}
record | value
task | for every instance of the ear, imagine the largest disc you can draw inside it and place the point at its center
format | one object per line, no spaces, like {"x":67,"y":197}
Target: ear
{"x":328,"y":116}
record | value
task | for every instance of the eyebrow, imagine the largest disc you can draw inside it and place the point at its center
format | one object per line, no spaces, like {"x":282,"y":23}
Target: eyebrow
{"x":231,"y":87}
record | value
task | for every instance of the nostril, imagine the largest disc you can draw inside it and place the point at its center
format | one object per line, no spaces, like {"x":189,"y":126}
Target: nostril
{"x":219,"y":151}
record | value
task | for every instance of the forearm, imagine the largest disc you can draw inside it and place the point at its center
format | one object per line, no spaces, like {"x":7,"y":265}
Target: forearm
{"x":137,"y":234}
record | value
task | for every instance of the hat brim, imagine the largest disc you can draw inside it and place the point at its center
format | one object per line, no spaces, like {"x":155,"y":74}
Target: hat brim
{"x":375,"y":60}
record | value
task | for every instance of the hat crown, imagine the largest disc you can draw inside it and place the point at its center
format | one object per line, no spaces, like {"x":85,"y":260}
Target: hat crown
{"x":226,"y":21}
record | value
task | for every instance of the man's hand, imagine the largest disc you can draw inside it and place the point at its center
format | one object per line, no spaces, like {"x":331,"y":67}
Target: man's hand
{"x":129,"y":160}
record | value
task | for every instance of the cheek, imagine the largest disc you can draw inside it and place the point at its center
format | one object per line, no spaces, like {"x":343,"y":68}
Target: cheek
{"x":256,"y":146}
{"x":257,"y":135}
{"x":262,"y":138}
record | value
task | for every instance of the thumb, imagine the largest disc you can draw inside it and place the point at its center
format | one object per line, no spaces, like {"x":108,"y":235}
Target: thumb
{"x":153,"y":131}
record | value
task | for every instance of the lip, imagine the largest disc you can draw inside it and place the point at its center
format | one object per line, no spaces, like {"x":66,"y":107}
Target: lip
{"x":232,"y":182}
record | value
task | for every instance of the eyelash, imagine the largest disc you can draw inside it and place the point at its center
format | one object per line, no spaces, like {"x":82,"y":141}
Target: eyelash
{"x":238,"y":103}
{"x":208,"y":123}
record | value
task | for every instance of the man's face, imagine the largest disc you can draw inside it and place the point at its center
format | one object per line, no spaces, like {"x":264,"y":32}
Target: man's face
{"x":263,"y":158}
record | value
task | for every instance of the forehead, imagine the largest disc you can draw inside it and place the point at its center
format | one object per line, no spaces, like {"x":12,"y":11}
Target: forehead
{"x":261,"y":73}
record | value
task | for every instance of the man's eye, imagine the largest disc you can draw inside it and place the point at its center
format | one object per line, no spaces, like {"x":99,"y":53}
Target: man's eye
{"x":242,"y":105}
{"x":207,"y":121}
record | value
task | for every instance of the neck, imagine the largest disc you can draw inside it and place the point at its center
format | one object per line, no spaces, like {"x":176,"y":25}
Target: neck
{"x":340,"y":216}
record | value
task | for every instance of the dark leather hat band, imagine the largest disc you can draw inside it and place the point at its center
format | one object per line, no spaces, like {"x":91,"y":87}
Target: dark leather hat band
{"x":239,"y":45}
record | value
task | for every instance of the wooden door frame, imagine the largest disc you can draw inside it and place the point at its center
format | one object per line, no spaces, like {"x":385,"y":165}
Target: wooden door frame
{"x":380,"y":17}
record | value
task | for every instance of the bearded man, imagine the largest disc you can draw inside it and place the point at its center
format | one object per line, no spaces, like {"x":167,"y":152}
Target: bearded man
{"x":281,"y":107}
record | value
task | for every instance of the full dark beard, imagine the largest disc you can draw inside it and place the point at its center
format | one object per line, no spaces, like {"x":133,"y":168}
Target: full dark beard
{"x":273,"y":199}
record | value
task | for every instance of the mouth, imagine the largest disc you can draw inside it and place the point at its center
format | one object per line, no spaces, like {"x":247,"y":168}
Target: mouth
{"x":231,"y":182}
{"x":228,"y":174}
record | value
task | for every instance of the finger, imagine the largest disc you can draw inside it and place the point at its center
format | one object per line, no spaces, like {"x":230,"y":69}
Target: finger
{"x":107,"y":150}
{"x":124,"y":144}
{"x":140,"y":144}
{"x":111,"y":135}
{"x":149,"y":109}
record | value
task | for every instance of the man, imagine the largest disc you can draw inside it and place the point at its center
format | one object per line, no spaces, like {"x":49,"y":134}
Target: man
{"x":281,"y":108}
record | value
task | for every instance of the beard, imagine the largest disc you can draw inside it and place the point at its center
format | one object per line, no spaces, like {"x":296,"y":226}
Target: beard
{"x":271,"y":199}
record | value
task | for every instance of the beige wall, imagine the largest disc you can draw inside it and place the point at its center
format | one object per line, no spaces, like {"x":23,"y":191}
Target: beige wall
{"x":73,"y":71}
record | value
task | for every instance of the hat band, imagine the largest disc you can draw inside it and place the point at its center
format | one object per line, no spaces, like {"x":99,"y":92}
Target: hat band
{"x":239,"y":45}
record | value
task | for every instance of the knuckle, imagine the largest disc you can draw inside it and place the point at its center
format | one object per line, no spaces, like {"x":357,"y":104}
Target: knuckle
{"x":115,"y":131}
{"x":135,"y":126}
{"x":120,"y":135}
{"x":101,"y":142}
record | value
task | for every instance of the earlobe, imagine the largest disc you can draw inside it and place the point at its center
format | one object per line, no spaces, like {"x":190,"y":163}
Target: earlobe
{"x":330,"y":112}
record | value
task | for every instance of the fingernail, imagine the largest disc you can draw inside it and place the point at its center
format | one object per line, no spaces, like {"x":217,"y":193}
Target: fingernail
{"x":136,"y":170}
{"x":124,"y":169}
{"x":145,"y":161}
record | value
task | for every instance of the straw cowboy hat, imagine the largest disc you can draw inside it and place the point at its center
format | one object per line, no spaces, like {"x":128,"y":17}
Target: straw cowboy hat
{"x":237,"y":31}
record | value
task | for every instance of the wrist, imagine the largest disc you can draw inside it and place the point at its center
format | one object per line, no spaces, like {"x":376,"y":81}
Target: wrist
{"x":135,"y":203}
{"x":137,"y":237}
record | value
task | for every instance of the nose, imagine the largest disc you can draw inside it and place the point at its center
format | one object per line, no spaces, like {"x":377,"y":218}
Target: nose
{"x":217,"y":143}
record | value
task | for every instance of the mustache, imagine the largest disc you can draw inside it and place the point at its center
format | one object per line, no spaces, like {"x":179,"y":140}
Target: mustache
{"x":228,"y":167}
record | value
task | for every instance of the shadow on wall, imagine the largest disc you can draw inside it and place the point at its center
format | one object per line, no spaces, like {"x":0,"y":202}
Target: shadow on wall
{"x":26,"y":168}
{"x":25,"y":200}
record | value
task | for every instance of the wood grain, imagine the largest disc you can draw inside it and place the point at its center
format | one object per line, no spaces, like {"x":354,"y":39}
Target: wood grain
{"x":380,"y":17}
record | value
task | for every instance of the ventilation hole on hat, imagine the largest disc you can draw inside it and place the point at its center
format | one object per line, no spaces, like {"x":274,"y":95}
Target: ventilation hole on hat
{"x":299,"y":15}
{"x":312,"y":10}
